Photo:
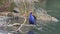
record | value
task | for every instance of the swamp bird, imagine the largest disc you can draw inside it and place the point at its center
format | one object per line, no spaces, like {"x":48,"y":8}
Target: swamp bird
{"x":32,"y":19}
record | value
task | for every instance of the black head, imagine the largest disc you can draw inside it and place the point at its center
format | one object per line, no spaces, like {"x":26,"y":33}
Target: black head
{"x":30,"y":12}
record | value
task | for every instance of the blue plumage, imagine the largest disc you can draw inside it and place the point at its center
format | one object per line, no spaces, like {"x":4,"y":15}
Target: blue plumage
{"x":32,"y":19}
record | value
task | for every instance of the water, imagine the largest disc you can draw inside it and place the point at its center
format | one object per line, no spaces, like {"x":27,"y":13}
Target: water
{"x":3,"y":32}
{"x":53,"y":9}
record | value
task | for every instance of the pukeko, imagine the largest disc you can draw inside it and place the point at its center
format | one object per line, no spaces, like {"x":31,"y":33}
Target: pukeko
{"x":32,"y":19}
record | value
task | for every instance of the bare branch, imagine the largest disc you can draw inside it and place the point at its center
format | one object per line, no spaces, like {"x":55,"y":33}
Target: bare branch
{"x":22,"y":25}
